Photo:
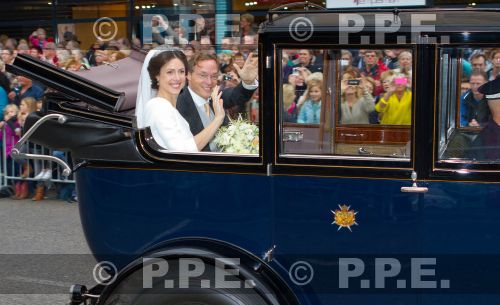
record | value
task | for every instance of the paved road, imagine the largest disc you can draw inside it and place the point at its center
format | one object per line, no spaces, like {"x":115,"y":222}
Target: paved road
{"x":42,"y":252}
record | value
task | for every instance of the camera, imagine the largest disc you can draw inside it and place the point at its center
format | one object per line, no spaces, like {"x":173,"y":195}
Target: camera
{"x":353,"y":82}
{"x":227,"y":77}
{"x":295,"y":71}
{"x":400,"y":81}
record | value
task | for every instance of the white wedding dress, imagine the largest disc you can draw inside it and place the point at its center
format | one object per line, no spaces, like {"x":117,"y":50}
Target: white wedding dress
{"x":170,"y":130}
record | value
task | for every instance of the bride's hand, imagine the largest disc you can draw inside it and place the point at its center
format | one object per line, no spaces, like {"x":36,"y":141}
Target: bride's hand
{"x":218,"y":104}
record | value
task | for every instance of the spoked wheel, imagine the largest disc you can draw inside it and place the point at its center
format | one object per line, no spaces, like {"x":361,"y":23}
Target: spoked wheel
{"x":195,"y":271}
{"x":136,"y":290}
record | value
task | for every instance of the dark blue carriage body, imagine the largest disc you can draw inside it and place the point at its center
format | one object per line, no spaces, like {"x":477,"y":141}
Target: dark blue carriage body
{"x":136,"y":200}
{"x":456,"y":223}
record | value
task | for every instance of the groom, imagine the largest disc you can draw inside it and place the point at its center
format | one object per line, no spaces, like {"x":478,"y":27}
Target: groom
{"x":193,"y":102}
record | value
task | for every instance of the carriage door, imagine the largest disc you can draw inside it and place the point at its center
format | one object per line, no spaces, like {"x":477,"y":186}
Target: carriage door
{"x":338,"y":171}
{"x":459,"y":217}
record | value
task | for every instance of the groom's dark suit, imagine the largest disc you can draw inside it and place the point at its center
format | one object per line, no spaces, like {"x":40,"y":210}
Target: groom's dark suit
{"x":187,"y":108}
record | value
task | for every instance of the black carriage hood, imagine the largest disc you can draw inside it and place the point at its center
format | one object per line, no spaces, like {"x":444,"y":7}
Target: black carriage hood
{"x":96,"y":127}
{"x":66,"y":82}
{"x":111,"y":87}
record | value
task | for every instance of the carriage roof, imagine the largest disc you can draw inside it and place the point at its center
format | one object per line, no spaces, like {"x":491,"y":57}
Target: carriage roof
{"x":445,"y":19}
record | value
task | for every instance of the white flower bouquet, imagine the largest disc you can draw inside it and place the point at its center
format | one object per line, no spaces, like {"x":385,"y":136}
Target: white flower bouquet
{"x":239,"y":137}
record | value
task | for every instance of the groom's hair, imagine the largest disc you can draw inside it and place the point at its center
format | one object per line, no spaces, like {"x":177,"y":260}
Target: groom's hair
{"x":201,"y":56}
{"x":160,"y":60}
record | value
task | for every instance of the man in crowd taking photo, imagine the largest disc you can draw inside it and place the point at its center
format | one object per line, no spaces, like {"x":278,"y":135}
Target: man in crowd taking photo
{"x":25,"y":88}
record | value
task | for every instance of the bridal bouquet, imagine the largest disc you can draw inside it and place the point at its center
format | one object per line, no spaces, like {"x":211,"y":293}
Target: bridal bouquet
{"x":239,"y":137}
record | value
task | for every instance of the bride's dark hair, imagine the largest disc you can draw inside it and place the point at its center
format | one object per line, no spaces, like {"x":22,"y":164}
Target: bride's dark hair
{"x":161,"y":59}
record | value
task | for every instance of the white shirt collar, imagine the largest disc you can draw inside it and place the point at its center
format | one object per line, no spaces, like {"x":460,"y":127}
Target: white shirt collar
{"x":198,"y":100}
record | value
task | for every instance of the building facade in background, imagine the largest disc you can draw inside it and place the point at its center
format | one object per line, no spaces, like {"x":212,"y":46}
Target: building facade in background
{"x":91,"y":20}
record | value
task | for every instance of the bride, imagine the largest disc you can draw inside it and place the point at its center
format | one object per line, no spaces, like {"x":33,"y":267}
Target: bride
{"x":167,"y":72}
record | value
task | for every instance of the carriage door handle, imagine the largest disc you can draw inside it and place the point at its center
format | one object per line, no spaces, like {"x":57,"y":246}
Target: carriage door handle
{"x":414,"y":188}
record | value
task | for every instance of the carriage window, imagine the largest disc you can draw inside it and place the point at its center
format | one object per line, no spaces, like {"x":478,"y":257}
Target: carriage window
{"x":200,"y":122}
{"x":347,"y":102}
{"x":466,"y":129}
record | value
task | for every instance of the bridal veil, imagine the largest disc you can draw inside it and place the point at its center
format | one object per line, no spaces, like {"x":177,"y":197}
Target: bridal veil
{"x":144,"y":90}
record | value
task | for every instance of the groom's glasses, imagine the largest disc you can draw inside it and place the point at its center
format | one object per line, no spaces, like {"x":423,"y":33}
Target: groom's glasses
{"x":213,"y":77}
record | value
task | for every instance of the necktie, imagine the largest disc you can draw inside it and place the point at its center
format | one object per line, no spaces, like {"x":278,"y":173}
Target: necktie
{"x":207,"y":110}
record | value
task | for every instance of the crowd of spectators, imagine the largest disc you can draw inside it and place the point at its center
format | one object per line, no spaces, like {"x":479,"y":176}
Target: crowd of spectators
{"x":68,"y":54}
{"x":375,"y":85}
{"x":20,"y":96}
{"x":481,"y":66}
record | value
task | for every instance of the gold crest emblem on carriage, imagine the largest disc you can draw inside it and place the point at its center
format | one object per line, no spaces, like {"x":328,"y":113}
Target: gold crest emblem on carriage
{"x":344,"y":218}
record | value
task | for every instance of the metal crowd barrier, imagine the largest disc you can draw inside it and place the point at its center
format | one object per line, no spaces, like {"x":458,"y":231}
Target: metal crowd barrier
{"x":12,"y":169}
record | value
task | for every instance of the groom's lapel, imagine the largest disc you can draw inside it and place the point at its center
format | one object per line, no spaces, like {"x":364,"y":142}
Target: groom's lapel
{"x":195,"y":116}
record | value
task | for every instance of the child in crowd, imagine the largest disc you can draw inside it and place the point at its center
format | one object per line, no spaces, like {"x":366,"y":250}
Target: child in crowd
{"x":289,"y":107}
{"x":310,"y":103}
{"x":10,"y":132}
{"x":10,"y":127}
{"x":26,"y":106}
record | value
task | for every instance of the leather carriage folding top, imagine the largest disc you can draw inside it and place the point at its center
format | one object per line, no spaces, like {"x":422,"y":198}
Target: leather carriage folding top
{"x":99,"y":119}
